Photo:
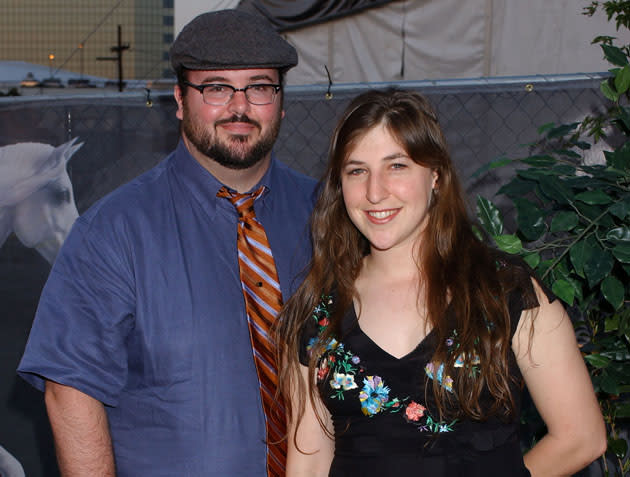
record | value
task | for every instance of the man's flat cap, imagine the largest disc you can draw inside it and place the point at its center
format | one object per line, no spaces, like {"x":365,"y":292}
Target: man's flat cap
{"x":228,"y":40}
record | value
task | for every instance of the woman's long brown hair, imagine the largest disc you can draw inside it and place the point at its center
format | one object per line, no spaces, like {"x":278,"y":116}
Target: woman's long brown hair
{"x":457,"y":270}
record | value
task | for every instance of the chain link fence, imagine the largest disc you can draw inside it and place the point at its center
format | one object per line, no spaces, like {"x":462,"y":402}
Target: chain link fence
{"x":127,"y":133}
{"x":124,"y":134}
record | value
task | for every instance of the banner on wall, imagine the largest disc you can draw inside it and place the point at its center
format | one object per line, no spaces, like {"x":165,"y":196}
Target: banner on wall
{"x":57,"y":157}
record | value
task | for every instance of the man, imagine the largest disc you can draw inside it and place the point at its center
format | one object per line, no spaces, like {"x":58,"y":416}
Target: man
{"x":141,"y":339}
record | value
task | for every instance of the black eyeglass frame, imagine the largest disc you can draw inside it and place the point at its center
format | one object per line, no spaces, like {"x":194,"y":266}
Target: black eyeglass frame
{"x":201,"y":87}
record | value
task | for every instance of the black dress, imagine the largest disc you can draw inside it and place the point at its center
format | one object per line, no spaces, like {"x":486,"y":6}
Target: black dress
{"x":385,"y":424}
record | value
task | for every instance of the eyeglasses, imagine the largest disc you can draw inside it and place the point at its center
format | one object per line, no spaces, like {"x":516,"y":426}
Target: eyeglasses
{"x":217,"y":94}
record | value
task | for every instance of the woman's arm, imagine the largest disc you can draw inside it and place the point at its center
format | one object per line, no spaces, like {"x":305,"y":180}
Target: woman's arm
{"x":561,"y":388}
{"x":315,"y":449}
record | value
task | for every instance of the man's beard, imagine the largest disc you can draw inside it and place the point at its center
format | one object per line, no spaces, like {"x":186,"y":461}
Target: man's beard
{"x":237,"y":154}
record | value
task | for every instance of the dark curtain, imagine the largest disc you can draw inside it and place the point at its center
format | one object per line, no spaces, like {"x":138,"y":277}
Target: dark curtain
{"x":288,"y":15}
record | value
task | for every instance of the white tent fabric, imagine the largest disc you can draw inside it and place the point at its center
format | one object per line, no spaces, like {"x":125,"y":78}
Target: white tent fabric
{"x":547,"y":37}
{"x":438,"y":39}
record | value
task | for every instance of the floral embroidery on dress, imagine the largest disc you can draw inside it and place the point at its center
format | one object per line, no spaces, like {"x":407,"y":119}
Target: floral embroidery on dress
{"x":445,"y":381}
{"x":343,"y":371}
{"x":435,"y":370}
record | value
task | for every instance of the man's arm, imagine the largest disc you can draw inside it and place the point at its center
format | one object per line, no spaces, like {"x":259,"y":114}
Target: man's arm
{"x":81,"y":432}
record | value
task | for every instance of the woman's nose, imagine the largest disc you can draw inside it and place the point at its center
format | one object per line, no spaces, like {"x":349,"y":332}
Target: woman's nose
{"x":376,"y":188}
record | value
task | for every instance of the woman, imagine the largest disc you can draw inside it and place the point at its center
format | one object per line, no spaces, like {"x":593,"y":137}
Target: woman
{"x":405,"y":349}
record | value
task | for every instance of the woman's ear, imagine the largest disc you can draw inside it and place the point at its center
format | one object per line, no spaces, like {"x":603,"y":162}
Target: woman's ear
{"x":436,"y":177}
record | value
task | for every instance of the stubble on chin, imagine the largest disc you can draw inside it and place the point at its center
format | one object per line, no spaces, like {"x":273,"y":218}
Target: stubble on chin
{"x":235,"y":151}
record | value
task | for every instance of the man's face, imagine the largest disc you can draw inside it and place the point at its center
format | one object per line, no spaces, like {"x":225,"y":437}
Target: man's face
{"x":236,"y":135}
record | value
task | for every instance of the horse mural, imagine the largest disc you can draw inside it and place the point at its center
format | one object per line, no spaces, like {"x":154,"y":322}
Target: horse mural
{"x":9,"y":465}
{"x":36,"y":197}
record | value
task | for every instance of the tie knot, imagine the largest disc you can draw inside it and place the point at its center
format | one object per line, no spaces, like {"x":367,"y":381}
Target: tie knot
{"x":244,"y":203}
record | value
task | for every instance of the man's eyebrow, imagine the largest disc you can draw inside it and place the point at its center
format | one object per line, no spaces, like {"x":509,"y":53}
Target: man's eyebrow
{"x":214,"y":79}
{"x":261,"y":77}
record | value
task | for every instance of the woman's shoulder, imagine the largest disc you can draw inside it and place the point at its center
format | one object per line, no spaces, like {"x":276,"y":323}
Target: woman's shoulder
{"x":517,"y":280}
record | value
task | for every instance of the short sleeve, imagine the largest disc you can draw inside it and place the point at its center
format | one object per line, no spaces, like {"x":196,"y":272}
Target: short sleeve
{"x":84,"y":315}
{"x":517,"y":277}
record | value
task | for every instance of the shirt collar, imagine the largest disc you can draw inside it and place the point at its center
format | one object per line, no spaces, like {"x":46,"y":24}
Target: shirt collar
{"x":204,"y":186}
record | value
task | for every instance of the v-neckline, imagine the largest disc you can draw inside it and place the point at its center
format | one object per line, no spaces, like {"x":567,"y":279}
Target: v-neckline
{"x":375,"y":345}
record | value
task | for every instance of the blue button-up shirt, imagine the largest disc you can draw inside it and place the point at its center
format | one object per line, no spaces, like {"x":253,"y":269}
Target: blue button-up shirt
{"x":143,"y":310}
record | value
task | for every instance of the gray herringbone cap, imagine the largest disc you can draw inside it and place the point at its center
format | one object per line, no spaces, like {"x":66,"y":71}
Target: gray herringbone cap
{"x":228,"y":40}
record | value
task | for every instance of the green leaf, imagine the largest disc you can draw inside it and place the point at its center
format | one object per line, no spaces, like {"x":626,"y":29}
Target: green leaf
{"x":556,"y":189}
{"x":543,"y":268}
{"x":564,"y":221}
{"x":622,"y":252}
{"x":609,"y":384}
{"x":579,"y":182}
{"x":624,"y":116}
{"x":619,"y":159}
{"x":500,"y":162}
{"x":546,"y":127}
{"x":607,"y":91}
{"x":594,"y":197}
{"x":597,"y":360}
{"x":615,"y":55}
{"x":578,"y":254}
{"x":509,"y":243}
{"x":569,"y":153}
{"x":563,"y":290}
{"x":583,"y":145}
{"x":489,"y":216}
{"x":598,"y":265}
{"x":623,"y":411}
{"x":620,"y":209}
{"x":477,"y":232}
{"x":532,"y":259}
{"x":562,"y":130}
{"x":564,"y":169}
{"x":622,"y":79}
{"x":539,"y":161}
{"x":517,"y":187}
{"x":613,"y":290}
{"x":568,"y":288}
{"x":530,"y":219}
{"x":619,"y":447}
{"x":611,"y":323}
{"x":534,"y":174}
{"x":619,"y":234}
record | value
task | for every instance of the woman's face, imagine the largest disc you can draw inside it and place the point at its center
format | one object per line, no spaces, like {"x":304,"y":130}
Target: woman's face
{"x":385,"y":192}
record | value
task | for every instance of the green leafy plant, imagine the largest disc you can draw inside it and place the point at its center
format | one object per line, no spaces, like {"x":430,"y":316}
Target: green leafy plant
{"x":572,"y":226}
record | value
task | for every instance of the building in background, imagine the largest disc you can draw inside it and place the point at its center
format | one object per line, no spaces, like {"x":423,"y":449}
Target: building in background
{"x":73,"y":34}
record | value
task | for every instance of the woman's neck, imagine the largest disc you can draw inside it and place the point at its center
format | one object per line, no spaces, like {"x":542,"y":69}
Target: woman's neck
{"x":393,"y":263}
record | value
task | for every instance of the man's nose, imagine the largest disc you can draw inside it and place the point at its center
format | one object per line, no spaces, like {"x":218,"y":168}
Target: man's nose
{"x":238,"y":104}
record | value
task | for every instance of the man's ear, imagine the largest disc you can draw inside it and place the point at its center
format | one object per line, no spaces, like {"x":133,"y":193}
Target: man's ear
{"x":179,"y":98}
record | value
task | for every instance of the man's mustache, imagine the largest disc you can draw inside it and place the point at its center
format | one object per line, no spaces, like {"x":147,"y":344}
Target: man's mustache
{"x":238,"y":119}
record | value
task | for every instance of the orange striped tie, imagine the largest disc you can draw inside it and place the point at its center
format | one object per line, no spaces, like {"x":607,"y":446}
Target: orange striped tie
{"x":263,"y":300}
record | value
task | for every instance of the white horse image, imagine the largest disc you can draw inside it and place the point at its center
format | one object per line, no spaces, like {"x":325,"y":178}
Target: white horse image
{"x":9,"y":465}
{"x":36,"y":197}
